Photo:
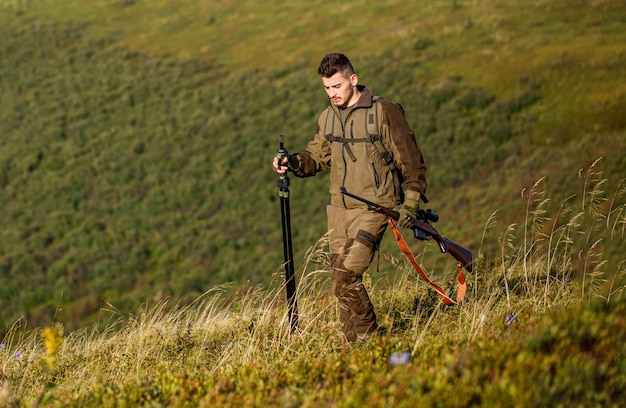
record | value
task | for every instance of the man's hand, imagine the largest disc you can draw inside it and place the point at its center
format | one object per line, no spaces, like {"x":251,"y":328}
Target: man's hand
{"x":281,"y":169}
{"x":290,"y":162}
{"x":408,"y":211}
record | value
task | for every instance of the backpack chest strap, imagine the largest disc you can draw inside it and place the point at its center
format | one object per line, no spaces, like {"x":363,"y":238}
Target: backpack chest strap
{"x":371,"y":124}
{"x":341,"y":139}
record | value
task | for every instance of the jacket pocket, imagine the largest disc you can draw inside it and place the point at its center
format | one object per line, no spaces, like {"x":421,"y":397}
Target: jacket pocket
{"x":375,"y":175}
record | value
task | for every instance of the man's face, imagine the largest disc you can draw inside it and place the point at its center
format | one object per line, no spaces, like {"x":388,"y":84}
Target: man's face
{"x":341,"y":90}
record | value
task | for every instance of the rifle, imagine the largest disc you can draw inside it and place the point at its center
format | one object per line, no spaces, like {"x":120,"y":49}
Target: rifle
{"x":423,"y":230}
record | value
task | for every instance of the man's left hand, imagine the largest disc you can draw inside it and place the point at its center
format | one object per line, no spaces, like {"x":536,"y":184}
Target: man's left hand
{"x":407,"y":215}
{"x":408,"y":211}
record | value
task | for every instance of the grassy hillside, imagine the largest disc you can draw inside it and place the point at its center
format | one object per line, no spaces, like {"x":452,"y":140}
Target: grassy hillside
{"x":526,"y":336}
{"x":135,"y":137}
{"x":140,"y":246}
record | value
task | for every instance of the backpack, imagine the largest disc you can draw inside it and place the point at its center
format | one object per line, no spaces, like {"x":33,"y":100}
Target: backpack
{"x":371,"y":124}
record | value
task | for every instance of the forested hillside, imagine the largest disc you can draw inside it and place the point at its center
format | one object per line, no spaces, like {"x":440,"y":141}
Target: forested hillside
{"x":136,"y":137}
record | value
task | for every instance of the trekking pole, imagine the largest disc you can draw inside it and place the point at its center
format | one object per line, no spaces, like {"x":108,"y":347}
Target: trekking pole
{"x":290,"y":278}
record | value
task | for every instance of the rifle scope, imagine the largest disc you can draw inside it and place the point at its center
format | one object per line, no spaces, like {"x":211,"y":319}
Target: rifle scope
{"x":427,"y":215}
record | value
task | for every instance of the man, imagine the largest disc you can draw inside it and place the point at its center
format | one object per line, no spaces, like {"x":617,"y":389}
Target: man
{"x":343,"y":144}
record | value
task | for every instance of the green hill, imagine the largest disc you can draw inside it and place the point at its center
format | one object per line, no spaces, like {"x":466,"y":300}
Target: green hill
{"x":136,"y":137}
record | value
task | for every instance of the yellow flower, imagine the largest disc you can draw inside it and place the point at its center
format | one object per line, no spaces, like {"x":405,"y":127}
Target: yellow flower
{"x":52,"y":340}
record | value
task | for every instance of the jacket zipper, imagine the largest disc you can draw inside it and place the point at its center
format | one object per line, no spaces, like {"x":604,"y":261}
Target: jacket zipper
{"x":346,"y":148}
{"x":352,"y":132}
{"x":345,"y":163}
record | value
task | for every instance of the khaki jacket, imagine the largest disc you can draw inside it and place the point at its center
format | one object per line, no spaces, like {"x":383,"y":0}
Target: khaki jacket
{"x":357,"y":164}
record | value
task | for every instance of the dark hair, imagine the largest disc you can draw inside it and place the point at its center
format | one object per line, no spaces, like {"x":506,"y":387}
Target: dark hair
{"x":333,"y":63}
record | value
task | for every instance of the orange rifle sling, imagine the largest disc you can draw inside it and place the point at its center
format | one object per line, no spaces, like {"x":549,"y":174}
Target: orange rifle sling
{"x":407,"y":251}
{"x":460,"y":293}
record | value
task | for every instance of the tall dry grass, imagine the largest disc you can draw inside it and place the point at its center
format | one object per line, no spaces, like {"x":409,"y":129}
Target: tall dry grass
{"x":545,"y":263}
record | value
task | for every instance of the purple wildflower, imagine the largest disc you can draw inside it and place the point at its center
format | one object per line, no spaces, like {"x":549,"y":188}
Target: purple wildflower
{"x":510,"y":319}
{"x":397,"y":359}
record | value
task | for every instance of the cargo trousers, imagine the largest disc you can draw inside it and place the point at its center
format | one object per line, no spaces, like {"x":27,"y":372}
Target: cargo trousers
{"x":354,"y":236}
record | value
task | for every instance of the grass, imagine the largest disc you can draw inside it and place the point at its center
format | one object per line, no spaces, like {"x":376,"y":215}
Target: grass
{"x":132,"y":182}
{"x":528,"y":332}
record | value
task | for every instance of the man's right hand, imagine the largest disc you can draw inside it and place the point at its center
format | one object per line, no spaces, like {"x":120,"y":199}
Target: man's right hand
{"x":281,"y":169}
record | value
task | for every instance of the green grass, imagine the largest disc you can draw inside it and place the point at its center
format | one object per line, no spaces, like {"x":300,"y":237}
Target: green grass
{"x":135,"y":142}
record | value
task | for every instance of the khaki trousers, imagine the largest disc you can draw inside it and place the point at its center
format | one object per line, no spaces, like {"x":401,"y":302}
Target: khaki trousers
{"x":354,"y":236}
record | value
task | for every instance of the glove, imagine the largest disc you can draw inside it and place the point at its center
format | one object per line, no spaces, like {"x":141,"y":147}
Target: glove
{"x":408,"y":211}
{"x":293,"y":162}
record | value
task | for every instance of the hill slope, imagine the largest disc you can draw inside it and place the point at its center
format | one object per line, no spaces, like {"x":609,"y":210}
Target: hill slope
{"x":537,"y":346}
{"x":136,"y":136}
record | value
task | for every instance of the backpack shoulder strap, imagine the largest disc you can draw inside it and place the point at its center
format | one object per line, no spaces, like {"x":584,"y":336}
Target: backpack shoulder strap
{"x":371,"y":123}
{"x":372,"y":130}
{"x":328,"y":127}
{"x":371,"y":120}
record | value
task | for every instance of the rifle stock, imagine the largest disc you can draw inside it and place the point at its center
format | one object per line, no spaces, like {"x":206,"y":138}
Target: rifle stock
{"x":423,"y":230}
{"x":461,"y":254}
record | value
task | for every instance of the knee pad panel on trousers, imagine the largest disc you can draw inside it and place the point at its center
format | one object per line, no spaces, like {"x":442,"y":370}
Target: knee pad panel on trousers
{"x":367,"y":239}
{"x":359,"y":252}
{"x":342,"y":276}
